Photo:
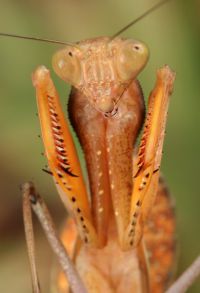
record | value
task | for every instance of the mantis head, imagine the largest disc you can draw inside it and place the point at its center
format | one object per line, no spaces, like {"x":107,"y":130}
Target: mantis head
{"x":101,"y":68}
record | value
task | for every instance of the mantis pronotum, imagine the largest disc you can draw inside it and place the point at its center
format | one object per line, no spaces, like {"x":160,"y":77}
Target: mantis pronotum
{"x":151,"y":169}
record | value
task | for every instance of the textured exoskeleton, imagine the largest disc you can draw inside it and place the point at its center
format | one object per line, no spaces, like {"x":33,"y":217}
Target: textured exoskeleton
{"x":121,"y":231}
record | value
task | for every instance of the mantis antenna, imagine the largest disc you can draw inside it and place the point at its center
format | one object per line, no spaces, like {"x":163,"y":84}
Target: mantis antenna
{"x":36,"y":39}
{"x":149,"y":11}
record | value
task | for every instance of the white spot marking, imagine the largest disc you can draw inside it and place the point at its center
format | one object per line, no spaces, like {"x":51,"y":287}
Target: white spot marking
{"x":100,"y":210}
{"x":98,"y":153}
{"x":100,"y":174}
{"x":61,"y":63}
{"x":101,"y":192}
{"x":129,"y":116}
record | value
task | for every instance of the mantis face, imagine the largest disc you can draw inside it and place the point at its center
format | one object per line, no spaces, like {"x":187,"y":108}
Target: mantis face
{"x":101,"y":69}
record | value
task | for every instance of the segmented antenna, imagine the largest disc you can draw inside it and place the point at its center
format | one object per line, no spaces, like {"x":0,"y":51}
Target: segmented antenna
{"x":37,"y":39}
{"x":149,"y":11}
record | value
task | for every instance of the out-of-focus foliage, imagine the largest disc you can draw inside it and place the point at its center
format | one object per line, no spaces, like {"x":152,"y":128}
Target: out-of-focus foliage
{"x":173,"y":37}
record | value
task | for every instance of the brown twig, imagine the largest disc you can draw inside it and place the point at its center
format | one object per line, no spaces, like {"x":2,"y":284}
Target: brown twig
{"x":41,"y":210}
{"x":28,"y":226}
{"x":187,"y":278}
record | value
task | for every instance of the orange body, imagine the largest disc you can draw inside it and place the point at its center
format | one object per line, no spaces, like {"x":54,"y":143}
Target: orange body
{"x":147,"y":268}
{"x":125,"y":221}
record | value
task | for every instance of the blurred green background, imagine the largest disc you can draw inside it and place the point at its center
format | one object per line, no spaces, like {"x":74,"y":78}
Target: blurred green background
{"x":173,"y":36}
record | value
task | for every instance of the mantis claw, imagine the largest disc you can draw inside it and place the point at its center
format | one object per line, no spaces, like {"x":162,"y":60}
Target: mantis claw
{"x":61,"y":154}
{"x":147,"y":172}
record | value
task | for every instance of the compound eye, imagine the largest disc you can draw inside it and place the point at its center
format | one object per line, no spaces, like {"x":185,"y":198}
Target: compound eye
{"x":131,"y":59}
{"x":67,"y":65}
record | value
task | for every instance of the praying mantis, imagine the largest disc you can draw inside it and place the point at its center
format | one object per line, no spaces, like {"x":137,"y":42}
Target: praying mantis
{"x":108,"y":109}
